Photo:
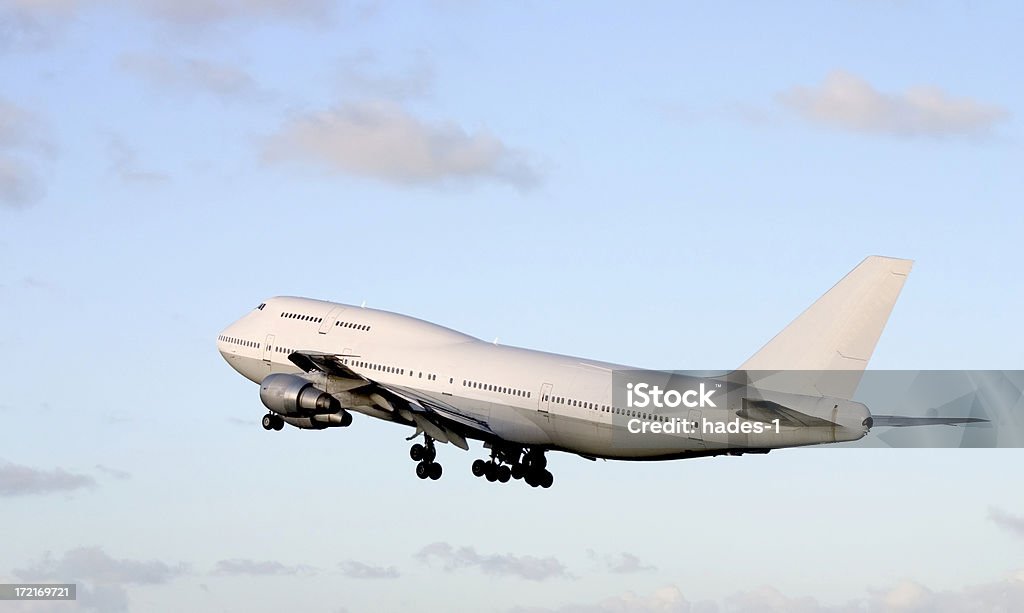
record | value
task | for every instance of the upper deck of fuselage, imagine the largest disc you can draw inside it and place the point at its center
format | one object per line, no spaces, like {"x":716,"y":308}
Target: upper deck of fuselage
{"x":389,"y":329}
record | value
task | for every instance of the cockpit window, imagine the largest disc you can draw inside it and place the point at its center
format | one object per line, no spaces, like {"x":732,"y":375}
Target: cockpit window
{"x":262,"y":304}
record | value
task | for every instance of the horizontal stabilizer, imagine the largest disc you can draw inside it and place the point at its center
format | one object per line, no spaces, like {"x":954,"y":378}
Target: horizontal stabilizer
{"x":768,"y":411}
{"x":900,"y":421}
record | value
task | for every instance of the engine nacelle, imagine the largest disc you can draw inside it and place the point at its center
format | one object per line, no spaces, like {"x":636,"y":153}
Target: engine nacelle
{"x":292,"y":395}
{"x":319,"y":422}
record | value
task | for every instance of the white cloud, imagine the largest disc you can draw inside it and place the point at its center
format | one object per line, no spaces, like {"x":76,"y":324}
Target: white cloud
{"x":525,"y":567}
{"x":124,"y":164}
{"x":359,"y":570}
{"x":190,"y":75}
{"x":363,"y":75}
{"x":382,"y":141}
{"x":100,"y":578}
{"x":626,"y":563}
{"x":95,"y":565}
{"x":116,"y":473}
{"x":23,"y":145}
{"x":19,"y":184}
{"x":182,"y":11}
{"x":260,"y":567}
{"x":192,"y":12}
{"x":18,"y":480}
{"x":1011,"y":523}
{"x":847,"y":101}
{"x":905,"y":596}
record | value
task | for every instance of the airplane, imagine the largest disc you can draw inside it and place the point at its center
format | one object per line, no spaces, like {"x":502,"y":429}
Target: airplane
{"x":318,"y":362}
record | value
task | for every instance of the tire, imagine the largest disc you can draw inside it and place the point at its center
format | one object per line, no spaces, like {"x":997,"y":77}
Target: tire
{"x":423,"y":470}
{"x":479,"y":468}
{"x":546,"y":479}
{"x":538,"y":462}
{"x":504,"y":474}
{"x":416,"y":452}
{"x":429,"y":454}
{"x":518,"y":471}
{"x":491,"y":472}
{"x":278,"y":423}
{"x":268,"y":421}
{"x":435,"y":471}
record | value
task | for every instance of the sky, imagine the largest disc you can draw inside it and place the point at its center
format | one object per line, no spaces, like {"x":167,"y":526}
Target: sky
{"x":664,"y":185}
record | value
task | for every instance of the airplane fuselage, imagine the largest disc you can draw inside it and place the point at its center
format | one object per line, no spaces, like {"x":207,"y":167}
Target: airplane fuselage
{"x":526,"y":397}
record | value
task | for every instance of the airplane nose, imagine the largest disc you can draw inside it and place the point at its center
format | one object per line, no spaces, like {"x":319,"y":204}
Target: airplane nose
{"x":223,"y":342}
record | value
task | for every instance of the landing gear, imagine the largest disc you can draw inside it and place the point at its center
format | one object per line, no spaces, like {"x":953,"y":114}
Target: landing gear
{"x":419,"y":452}
{"x":426,"y":468}
{"x":272,"y":422}
{"x":511,"y":463}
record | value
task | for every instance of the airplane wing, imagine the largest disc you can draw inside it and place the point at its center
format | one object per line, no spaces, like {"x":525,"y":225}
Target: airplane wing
{"x":438,"y":419}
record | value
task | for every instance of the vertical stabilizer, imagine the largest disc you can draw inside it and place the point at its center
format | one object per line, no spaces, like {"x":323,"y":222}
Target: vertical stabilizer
{"x":839,"y":331}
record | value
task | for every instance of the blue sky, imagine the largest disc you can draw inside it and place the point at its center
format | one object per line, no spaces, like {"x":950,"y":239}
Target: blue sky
{"x":659,"y":185}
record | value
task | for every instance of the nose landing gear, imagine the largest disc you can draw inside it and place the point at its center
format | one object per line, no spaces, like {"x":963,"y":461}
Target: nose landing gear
{"x":272,"y":422}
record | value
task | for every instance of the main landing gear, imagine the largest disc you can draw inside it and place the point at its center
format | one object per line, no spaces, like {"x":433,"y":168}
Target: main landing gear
{"x":506,"y":464}
{"x":425,"y":454}
{"x":272,"y":422}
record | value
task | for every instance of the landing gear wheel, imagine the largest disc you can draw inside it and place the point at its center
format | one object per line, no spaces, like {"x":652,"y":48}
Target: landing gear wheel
{"x":538,"y":461}
{"x":423,"y":470}
{"x":504,"y":474}
{"x":491,"y":472}
{"x":479,"y":468}
{"x":546,"y":479}
{"x":278,"y":423}
{"x":518,"y":471}
{"x":268,"y":422}
{"x":435,"y":471}
{"x":416,"y":452}
{"x":429,"y":453}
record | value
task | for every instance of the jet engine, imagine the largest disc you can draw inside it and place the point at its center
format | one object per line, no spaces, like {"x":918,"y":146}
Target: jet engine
{"x":319,"y":422}
{"x":291,"y":395}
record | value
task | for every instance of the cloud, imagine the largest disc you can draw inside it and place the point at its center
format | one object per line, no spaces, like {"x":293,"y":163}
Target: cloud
{"x":1011,"y":523}
{"x":626,"y":563}
{"x":260,"y":568}
{"x":192,"y":75}
{"x":114,"y":472}
{"x":19,"y":183}
{"x":101,"y":579}
{"x":382,"y":141}
{"x":847,"y":101}
{"x":18,"y":480}
{"x":524,"y":567}
{"x":95,"y":565}
{"x":22,"y":141}
{"x":124,"y":164}
{"x":663,"y":600}
{"x":363,"y":75}
{"x":359,"y":570}
{"x":181,"y":12}
{"x":905,"y":596}
{"x":201,"y":12}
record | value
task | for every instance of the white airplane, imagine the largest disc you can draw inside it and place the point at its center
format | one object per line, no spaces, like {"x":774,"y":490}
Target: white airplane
{"x":318,"y":362}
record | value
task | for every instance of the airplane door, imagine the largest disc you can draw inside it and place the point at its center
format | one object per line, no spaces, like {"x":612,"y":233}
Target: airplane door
{"x":544,"y":399}
{"x":268,"y":348}
{"x":331,"y":318}
{"x":696,"y":434}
